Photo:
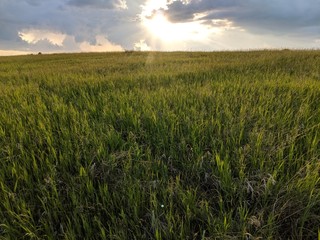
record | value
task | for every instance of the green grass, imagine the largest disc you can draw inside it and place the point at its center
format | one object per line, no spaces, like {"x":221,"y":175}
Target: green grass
{"x":160,"y":146}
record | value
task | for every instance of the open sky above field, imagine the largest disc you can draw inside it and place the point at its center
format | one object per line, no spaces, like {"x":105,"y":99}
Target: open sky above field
{"x":29,"y":26}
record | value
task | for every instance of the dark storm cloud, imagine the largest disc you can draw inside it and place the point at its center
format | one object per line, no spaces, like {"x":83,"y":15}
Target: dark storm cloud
{"x":277,"y":16}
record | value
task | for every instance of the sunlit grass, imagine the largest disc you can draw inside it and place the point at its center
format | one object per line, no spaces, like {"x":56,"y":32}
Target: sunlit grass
{"x":160,"y":146}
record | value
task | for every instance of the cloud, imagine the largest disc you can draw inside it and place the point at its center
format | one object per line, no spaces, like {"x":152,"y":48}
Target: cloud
{"x":34,"y":2}
{"x":184,"y":11}
{"x":102,"y":45}
{"x":36,"y":42}
{"x":122,"y":4}
{"x":141,"y":46}
{"x":84,"y":23}
{"x":63,"y":25}
{"x":273,"y":16}
{"x":34,"y":36}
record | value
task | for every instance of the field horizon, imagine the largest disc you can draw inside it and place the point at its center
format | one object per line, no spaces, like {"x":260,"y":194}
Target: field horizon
{"x":160,"y":145}
{"x":168,"y":51}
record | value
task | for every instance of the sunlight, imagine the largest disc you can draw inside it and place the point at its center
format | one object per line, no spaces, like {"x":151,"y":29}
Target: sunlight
{"x":153,"y":5}
{"x":159,"y":27}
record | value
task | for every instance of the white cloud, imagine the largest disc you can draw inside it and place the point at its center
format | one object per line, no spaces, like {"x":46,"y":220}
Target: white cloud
{"x":102,"y":45}
{"x":34,"y":36}
{"x":141,"y":46}
{"x":122,"y":4}
{"x":69,"y":44}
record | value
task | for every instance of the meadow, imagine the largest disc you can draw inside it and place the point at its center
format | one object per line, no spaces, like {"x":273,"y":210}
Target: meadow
{"x":150,"y":145}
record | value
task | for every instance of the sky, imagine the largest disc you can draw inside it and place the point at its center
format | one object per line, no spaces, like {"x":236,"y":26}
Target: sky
{"x":54,"y":26}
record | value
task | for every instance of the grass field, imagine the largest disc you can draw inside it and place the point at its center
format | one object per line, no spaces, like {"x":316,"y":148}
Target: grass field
{"x":160,"y":146}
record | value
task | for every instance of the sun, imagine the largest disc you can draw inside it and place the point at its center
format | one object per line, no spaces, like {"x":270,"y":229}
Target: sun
{"x":158,"y":26}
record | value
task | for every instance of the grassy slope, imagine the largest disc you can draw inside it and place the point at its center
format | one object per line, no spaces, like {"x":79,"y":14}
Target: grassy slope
{"x":160,"y":145}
